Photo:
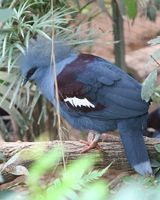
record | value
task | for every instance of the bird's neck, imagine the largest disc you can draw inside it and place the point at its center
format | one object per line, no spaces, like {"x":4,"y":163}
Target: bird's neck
{"x":46,"y":80}
{"x":46,"y":84}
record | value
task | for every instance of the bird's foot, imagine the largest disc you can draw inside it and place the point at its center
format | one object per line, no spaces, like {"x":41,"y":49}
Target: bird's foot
{"x":92,"y":142}
{"x":92,"y":145}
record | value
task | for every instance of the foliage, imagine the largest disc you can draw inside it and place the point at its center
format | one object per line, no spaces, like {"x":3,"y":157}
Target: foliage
{"x":10,"y":195}
{"x":5,"y":14}
{"x":132,"y":8}
{"x":148,"y":8}
{"x":79,"y":181}
{"x":156,"y":163}
{"x":139,"y":189}
{"x":25,"y":20}
{"x":152,"y":9}
{"x":150,"y":89}
{"x":129,"y":8}
{"x":72,"y":184}
{"x":10,"y":97}
{"x":149,"y":86}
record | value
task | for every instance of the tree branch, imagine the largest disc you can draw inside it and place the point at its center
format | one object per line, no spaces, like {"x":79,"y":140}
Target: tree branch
{"x":112,"y":151}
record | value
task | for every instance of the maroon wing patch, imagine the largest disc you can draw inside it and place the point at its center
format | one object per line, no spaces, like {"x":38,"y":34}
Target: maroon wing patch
{"x":67,"y":84}
{"x":72,"y":92}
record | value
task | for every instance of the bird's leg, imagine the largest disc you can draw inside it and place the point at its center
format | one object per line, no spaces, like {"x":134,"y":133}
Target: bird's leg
{"x":92,"y":142}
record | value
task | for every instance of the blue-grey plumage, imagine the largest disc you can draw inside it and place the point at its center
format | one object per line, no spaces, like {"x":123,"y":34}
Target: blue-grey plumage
{"x":94,"y":95}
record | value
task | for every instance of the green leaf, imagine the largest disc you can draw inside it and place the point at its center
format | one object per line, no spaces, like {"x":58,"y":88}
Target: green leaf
{"x":74,"y":179}
{"x":156,"y":96}
{"x":12,"y":160}
{"x":157,"y":147}
{"x":154,"y":58}
{"x":96,"y":191}
{"x":21,"y":121}
{"x":155,"y":163}
{"x":152,"y":13}
{"x":85,"y":11}
{"x":5,"y":14}
{"x":10,"y":195}
{"x":149,"y":85}
{"x":95,"y":174}
{"x":154,"y":41}
{"x":42,"y":165}
{"x":156,"y":55}
{"x":157,"y":4}
{"x":131,"y":8}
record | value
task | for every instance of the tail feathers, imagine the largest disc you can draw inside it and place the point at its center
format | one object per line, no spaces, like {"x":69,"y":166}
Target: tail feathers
{"x":131,"y":133}
{"x":143,"y":168}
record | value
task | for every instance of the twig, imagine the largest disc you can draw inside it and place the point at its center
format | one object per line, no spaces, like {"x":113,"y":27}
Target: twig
{"x":155,"y":61}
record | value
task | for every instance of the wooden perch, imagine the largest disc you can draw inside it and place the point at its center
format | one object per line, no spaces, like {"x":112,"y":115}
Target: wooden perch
{"x":112,"y":151}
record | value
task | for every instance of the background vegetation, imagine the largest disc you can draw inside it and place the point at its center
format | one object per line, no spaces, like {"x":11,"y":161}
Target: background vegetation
{"x":22,"y":20}
{"x":26,"y":114}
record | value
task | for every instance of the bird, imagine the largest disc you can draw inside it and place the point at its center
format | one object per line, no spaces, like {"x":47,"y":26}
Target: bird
{"x":94,"y":95}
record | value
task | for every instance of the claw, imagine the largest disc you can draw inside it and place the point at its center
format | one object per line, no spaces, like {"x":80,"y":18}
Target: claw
{"x":91,"y":144}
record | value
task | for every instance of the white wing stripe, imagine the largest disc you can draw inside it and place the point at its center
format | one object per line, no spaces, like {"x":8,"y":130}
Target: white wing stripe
{"x":74,"y":101}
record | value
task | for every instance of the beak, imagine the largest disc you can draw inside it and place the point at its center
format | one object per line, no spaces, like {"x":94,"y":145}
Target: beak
{"x":24,"y":81}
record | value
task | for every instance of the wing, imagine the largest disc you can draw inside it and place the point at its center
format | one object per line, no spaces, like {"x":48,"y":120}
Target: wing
{"x":94,"y":87}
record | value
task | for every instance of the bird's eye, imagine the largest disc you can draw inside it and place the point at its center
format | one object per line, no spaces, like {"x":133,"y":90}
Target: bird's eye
{"x":31,"y":72}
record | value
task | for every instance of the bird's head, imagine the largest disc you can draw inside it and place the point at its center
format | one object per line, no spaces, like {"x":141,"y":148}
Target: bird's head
{"x":37,"y":58}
